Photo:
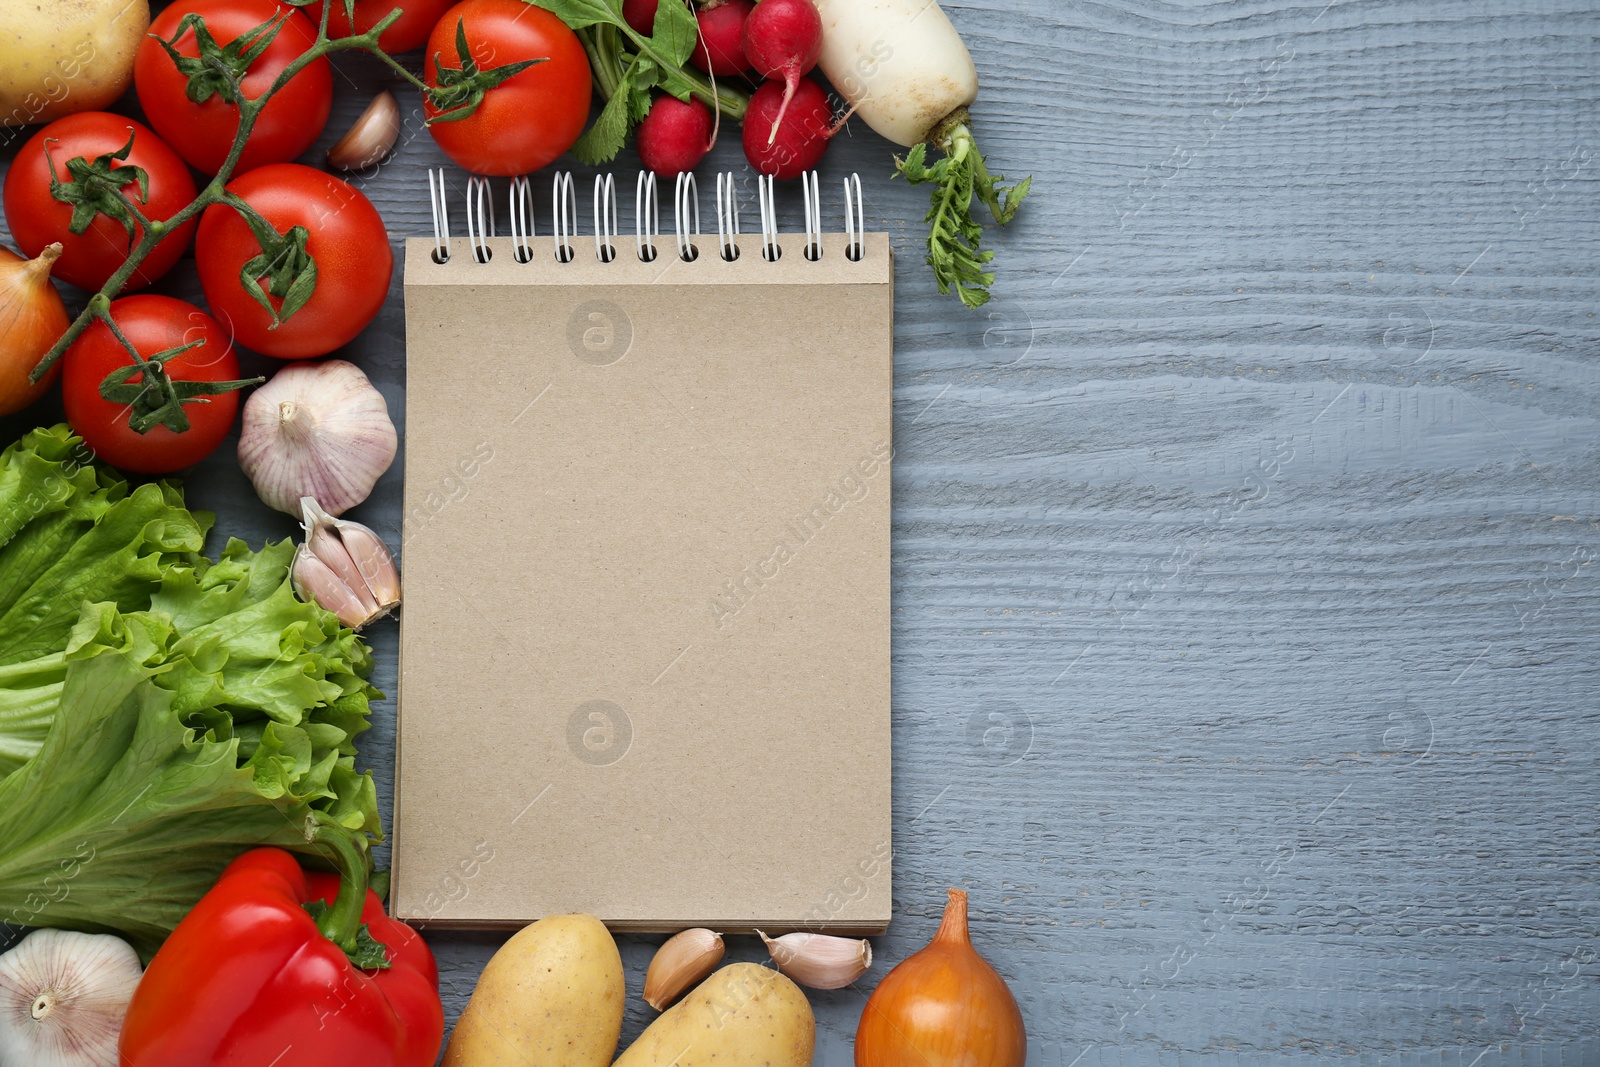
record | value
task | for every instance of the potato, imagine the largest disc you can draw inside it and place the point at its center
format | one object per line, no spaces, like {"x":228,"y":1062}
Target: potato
{"x":551,"y":997}
{"x":744,"y":1014}
{"x":59,"y":57}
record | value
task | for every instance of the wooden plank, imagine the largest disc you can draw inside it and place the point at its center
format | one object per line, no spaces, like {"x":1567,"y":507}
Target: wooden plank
{"x":1244,"y":593}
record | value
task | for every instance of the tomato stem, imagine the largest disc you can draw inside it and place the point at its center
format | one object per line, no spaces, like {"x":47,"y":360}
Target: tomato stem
{"x":104,"y":315}
{"x":215,"y":191}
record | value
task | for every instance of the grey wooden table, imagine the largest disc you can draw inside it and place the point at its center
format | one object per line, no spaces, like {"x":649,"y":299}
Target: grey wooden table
{"x":1245,"y":598}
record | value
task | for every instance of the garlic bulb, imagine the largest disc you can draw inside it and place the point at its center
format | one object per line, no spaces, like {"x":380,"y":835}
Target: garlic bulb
{"x":318,"y":430}
{"x":63,"y":996}
{"x":345,"y":568}
{"x":371,"y":137}
{"x":679,"y":964}
{"x":820,"y":961}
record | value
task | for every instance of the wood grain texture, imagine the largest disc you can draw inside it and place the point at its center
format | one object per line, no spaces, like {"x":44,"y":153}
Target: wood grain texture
{"x":1244,"y":581}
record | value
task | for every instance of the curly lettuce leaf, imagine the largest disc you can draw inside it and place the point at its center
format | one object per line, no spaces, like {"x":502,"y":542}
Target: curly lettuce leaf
{"x":29,"y":694}
{"x":127,"y":815}
{"x":159,"y":713}
{"x":280,"y":657}
{"x":70,"y":532}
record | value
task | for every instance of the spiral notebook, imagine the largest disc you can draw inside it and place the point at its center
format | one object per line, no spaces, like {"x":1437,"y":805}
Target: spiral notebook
{"x":645,"y":637}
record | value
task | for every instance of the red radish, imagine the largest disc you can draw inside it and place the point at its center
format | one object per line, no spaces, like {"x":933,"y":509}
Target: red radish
{"x":801,"y":137}
{"x":782,"y":39}
{"x":675,"y":136}
{"x":640,"y":14}
{"x":720,"y":50}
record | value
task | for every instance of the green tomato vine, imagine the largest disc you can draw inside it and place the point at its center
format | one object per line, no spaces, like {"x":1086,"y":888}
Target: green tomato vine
{"x":95,"y":187}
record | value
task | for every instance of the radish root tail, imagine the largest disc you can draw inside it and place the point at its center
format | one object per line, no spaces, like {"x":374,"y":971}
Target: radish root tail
{"x":791,"y":82}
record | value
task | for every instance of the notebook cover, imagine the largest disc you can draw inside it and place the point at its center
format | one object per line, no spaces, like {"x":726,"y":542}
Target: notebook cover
{"x":645,"y":633}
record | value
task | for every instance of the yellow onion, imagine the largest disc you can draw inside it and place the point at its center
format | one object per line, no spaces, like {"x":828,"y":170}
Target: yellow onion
{"x":32,"y":318}
{"x":943,"y":1007}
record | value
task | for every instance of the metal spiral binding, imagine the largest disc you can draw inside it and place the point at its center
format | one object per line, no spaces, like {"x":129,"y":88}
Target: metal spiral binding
{"x":482,"y":224}
{"x":522,"y":218}
{"x":770,"y":249}
{"x":565,"y":210}
{"x":855,"y":219}
{"x":646,"y":216}
{"x":727,"y":216}
{"x":480,"y":218}
{"x":686,"y":200}
{"x":605,"y":218}
{"x":441,"y":216}
{"x":809,"y":185}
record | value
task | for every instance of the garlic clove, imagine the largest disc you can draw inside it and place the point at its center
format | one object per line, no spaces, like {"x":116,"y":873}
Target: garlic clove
{"x":373,"y":561}
{"x":371,"y":137}
{"x":317,"y":583}
{"x":63,"y":997}
{"x":370,"y":556}
{"x":325,"y":544}
{"x":356,"y":553}
{"x":820,"y":961}
{"x":316,"y":429}
{"x":680,"y":964}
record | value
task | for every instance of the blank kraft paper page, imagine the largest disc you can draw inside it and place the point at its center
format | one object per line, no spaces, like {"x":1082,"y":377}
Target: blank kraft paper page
{"x":645,"y":637}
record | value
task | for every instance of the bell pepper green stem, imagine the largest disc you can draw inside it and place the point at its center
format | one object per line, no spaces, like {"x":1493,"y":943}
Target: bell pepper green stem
{"x":342,"y":922}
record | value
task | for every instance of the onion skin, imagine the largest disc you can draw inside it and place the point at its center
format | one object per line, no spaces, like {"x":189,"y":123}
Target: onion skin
{"x":943,"y":1007}
{"x":32,"y":318}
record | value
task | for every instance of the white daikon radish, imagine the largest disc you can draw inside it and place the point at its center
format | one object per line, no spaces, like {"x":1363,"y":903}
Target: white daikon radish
{"x":906,"y":71}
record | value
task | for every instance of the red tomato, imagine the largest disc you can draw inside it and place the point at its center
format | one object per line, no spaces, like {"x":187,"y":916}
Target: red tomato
{"x":203,"y":133}
{"x":88,"y":259}
{"x":152,"y":324}
{"x":346,"y":239}
{"x":409,"y":31}
{"x":527,"y":121}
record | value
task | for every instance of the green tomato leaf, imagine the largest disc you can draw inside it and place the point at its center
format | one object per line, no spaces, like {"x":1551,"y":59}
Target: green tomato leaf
{"x":458,"y":91}
{"x":157,"y":398}
{"x":95,"y":187}
{"x":285,"y":262}
{"x":218,"y":70}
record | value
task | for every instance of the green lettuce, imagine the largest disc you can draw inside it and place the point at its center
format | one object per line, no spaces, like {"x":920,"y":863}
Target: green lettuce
{"x":73,"y":532}
{"x":159,"y":713}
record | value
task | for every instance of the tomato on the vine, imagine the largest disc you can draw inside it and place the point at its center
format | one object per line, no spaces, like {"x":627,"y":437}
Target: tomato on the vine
{"x":337,"y":228}
{"x":524,"y":122}
{"x":203,"y":132}
{"x":410,"y":30}
{"x":152,"y":324}
{"x":92,"y":182}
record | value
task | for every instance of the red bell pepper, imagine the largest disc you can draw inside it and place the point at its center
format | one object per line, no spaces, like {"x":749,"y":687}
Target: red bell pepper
{"x":252,"y":978}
